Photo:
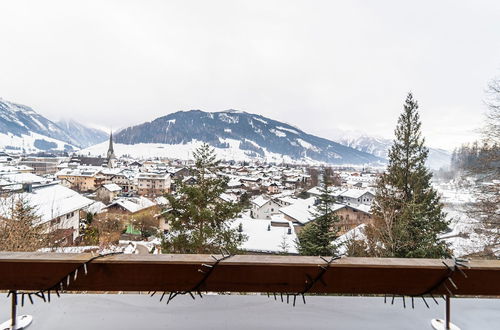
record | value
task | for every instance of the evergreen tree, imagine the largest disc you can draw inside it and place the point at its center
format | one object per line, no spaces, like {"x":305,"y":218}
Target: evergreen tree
{"x":20,"y":228}
{"x":316,"y":238}
{"x":200,"y":221}
{"x":407,"y":211}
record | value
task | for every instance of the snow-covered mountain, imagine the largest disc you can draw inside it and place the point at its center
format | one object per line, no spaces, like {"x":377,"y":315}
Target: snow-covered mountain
{"x":22,"y":129}
{"x":82,"y":135}
{"x":438,"y":158}
{"x":235,"y":135}
{"x":373,"y":145}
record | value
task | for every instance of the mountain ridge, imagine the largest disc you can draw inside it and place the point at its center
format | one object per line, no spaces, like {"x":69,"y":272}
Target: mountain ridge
{"x":257,"y":135}
{"x":84,"y":135}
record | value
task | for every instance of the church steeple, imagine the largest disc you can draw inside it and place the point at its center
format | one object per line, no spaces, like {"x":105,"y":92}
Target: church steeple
{"x":111,"y":152}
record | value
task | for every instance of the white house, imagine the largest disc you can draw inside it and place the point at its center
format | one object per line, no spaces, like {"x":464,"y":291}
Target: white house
{"x":58,"y":207}
{"x":263,"y":208}
{"x":356,"y":196}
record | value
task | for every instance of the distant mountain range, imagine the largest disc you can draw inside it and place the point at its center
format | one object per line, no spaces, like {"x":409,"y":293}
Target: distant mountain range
{"x":241,"y":135}
{"x":235,"y":135}
{"x":82,"y":135}
{"x":24,"y":130}
{"x":438,"y":158}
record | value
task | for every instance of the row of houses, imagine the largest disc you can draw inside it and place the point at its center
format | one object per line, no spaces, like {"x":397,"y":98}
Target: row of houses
{"x":91,"y":178}
{"x":301,"y":211}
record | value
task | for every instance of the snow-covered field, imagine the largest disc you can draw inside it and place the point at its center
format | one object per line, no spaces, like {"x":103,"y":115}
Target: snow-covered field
{"x":185,"y":151}
{"x":464,"y":238}
{"x":27,"y":142}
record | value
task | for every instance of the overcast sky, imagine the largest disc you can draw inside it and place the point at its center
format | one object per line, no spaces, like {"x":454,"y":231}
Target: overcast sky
{"x":319,"y":65}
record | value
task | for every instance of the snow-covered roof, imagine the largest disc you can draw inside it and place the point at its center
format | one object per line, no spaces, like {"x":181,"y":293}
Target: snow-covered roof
{"x":228,"y":197}
{"x":50,"y":201}
{"x":357,"y":233}
{"x":23,"y":178}
{"x":355,"y":193}
{"x":234,"y":183}
{"x":160,"y":200}
{"x":361,"y":207}
{"x":260,"y":201}
{"x":316,"y":191}
{"x":113,"y":187}
{"x":260,"y":239}
{"x":303,"y":210}
{"x":132,"y":204}
{"x":95,"y":207}
{"x":88,"y":171}
{"x":110,"y":171}
{"x":300,"y":210}
{"x":288,"y":199}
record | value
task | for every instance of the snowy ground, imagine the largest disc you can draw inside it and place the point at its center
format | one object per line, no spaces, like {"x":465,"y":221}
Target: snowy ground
{"x":185,"y":152}
{"x":463,"y":238}
{"x":132,"y":311}
{"x":180,"y":151}
{"x":27,"y":142}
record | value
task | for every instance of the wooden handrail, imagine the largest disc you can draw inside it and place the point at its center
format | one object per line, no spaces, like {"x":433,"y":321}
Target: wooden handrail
{"x":245,"y":273}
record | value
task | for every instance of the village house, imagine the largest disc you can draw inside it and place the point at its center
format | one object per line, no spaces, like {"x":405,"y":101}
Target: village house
{"x":273,"y":188}
{"x":126,"y":180}
{"x":41,"y":165}
{"x":153,"y":184}
{"x":108,"y":192}
{"x":356,"y":196}
{"x":57,"y":207}
{"x":303,"y":211}
{"x":263,"y":207}
{"x":82,"y":178}
{"x":178,"y":172}
{"x":130,"y":205}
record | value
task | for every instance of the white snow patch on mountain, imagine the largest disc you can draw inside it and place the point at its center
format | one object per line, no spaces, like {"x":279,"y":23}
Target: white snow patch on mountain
{"x":14,"y":144}
{"x":185,"y":152}
{"x":253,"y":143}
{"x":277,"y":133}
{"x":307,"y":145}
{"x":287,"y":129}
{"x":228,"y":118}
{"x":259,"y":119}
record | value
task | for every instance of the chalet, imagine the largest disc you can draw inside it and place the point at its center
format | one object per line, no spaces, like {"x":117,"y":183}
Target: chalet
{"x":108,"y":192}
{"x":58,"y":207}
{"x":130,"y":205}
{"x":189,"y":180}
{"x":356,"y":196}
{"x":179,"y":172}
{"x":303,"y":211}
{"x":263,"y":208}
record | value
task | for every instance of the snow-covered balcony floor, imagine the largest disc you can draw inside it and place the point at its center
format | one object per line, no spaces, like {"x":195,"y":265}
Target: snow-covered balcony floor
{"x":133,"y":311}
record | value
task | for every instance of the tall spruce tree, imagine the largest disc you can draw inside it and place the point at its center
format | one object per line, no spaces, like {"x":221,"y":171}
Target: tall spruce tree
{"x":200,"y":221}
{"x":316,"y":238}
{"x":408,"y":215}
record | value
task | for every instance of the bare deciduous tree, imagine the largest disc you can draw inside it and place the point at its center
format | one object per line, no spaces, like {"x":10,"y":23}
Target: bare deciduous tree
{"x":486,"y":171}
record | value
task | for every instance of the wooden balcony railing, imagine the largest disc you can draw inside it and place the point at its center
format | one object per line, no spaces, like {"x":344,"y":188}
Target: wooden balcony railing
{"x":248,"y":273}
